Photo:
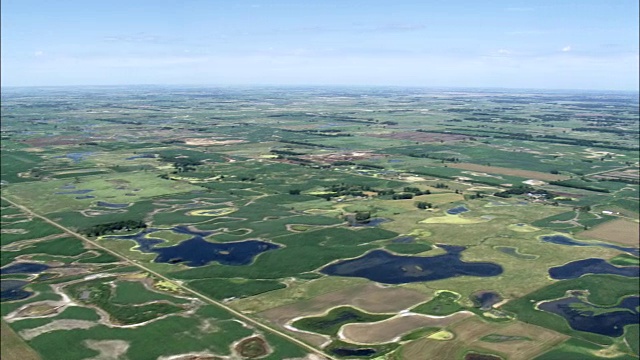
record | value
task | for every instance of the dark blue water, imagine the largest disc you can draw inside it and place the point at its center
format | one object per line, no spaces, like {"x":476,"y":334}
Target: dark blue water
{"x":24,"y":268}
{"x":457,"y":210}
{"x":197,"y":251}
{"x":381,"y":266}
{"x":67,"y":187}
{"x":396,"y":161}
{"x":12,"y":290}
{"x":563,"y":240}
{"x":110,"y":205}
{"x":142,"y":156}
{"x":485,"y":299}
{"x":85,"y":197}
{"x":608,"y":323}
{"x":74,"y":192}
{"x":76,"y":157}
{"x":353,"y":352}
{"x":575,"y":269}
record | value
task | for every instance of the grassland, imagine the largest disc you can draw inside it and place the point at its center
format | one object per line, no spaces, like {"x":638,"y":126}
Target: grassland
{"x":326,"y":175}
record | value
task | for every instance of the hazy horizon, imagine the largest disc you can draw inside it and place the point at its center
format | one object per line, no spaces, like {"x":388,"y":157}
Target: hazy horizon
{"x":547,"y":45}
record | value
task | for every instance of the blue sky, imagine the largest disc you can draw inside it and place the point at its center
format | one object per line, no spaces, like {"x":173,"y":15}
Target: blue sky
{"x":559,"y":44}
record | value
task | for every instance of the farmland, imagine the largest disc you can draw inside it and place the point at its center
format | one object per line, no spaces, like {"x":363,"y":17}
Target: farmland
{"x":310,"y":223}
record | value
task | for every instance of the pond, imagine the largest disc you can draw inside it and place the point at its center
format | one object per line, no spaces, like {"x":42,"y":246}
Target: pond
{"x":457,"y":210}
{"x":74,"y":192}
{"x":196,"y":251}
{"x":584,"y":316}
{"x":575,"y":269}
{"x":564,"y":240}
{"x":24,"y":268}
{"x":76,"y":157}
{"x":353,"y":352}
{"x":85,"y":197}
{"x":11,"y":290}
{"x":384,"y":267}
{"x":142,"y":156}
{"x":112,"y":206}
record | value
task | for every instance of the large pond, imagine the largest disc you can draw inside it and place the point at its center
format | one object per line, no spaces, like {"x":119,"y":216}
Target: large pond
{"x":575,"y":269}
{"x":564,"y":240}
{"x":384,"y":267}
{"x":196,"y":251}
{"x":12,"y":290}
{"x":24,"y":268}
{"x":583,"y":316}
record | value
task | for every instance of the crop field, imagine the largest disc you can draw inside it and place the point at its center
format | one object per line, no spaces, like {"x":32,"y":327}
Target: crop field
{"x":317,"y":223}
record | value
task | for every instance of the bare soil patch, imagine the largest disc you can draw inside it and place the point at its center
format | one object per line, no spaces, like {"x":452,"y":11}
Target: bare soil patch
{"x":388,"y":330}
{"x":109,"y":349}
{"x":508,"y":171}
{"x":618,"y":231}
{"x":370,"y":298}
{"x":252,"y":347}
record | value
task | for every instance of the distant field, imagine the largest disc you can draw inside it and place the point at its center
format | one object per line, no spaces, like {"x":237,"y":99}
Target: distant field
{"x":509,"y":171}
{"x":618,"y":231}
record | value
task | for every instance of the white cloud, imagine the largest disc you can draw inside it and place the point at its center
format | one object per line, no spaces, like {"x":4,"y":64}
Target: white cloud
{"x":504,"y":52}
{"x":566,"y":48}
{"x":38,"y":53}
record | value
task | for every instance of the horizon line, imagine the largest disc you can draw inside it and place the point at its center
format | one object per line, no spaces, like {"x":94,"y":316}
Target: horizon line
{"x":320,"y":86}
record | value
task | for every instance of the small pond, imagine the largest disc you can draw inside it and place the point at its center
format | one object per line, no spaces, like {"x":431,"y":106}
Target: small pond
{"x":564,"y":240}
{"x":85,"y":197}
{"x":11,"y":290}
{"x":384,"y":267}
{"x":196,"y":251}
{"x":142,"y":156}
{"x":457,"y":210}
{"x":584,"y":316}
{"x":74,"y":192}
{"x":575,"y":269}
{"x":112,"y":206}
{"x":353,"y":352}
{"x":24,"y":268}
{"x":76,"y":157}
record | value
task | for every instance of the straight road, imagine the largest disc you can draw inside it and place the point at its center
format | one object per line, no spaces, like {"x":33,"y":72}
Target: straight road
{"x":193,"y":292}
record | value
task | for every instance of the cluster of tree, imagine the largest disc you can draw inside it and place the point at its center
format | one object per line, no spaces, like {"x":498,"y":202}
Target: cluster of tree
{"x":441,"y":186}
{"x":358,"y":217}
{"x":416,"y":191}
{"x":423,"y":205}
{"x":370,"y":166}
{"x":575,"y":185}
{"x":402,"y":196}
{"x":102,"y":229}
{"x":343,"y":163}
{"x":285,"y":152}
{"x":118,"y":121}
{"x":325,"y":132}
{"x":306,"y":144}
{"x":523,"y":189}
{"x":181,"y":164}
{"x":429,"y":156}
